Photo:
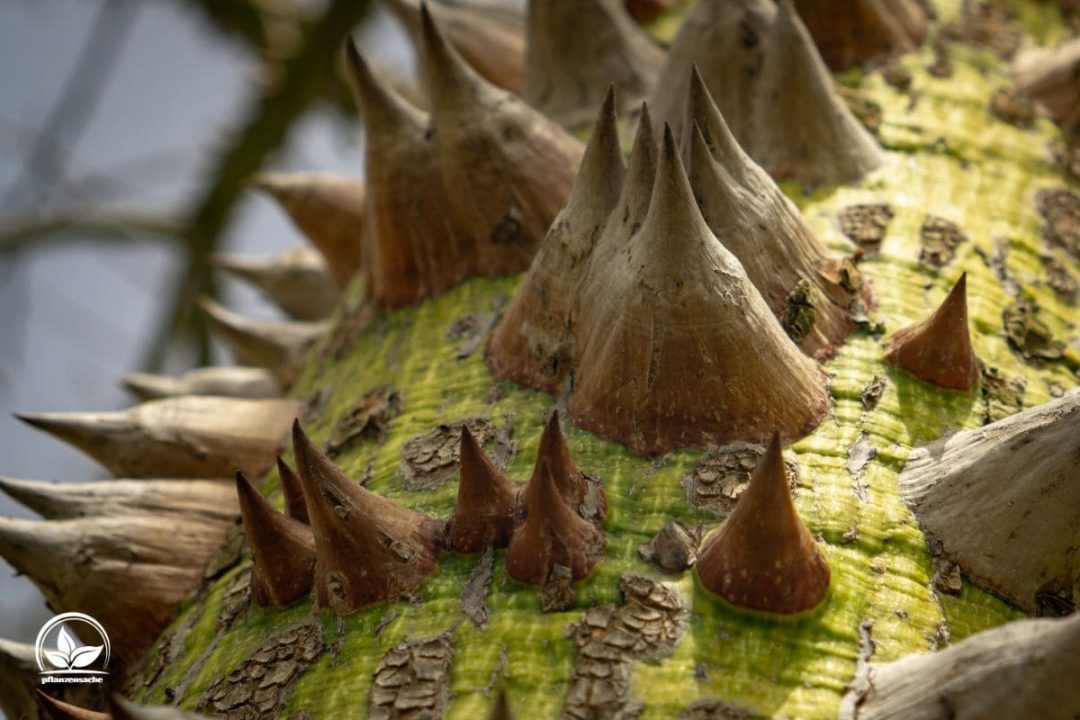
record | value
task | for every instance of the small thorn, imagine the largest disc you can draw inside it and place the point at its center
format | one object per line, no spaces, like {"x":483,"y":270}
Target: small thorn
{"x":1003,"y":503}
{"x":530,"y":344}
{"x":501,"y":708}
{"x":120,"y":498}
{"x":721,"y":143}
{"x":486,"y":507}
{"x":803,"y":130}
{"x":368,"y":549}
{"x":850,"y":33}
{"x":283,"y":549}
{"x":181,"y":437}
{"x":552,"y":534}
{"x":640,"y":174}
{"x":79,"y":563}
{"x":938,"y":349}
{"x":800,"y":280}
{"x":1021,"y":669}
{"x":490,"y":36}
{"x":726,"y":41}
{"x":19,"y":679}
{"x":329,"y":210}
{"x":571,"y":483}
{"x":600,"y":177}
{"x":276,"y":345}
{"x":450,"y":80}
{"x":575,"y":50}
{"x":59,"y":710}
{"x":632,"y":380}
{"x":386,"y":114}
{"x":763,"y":557}
{"x":294,"y":494}
{"x":297,"y":281}
{"x":239,"y":382}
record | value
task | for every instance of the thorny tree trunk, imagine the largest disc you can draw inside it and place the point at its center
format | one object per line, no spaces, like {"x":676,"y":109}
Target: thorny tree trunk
{"x":588,"y":606}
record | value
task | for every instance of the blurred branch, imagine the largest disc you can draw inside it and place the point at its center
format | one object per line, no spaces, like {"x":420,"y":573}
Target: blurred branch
{"x":272,"y":27}
{"x":308,"y":75}
{"x":46,"y":159}
{"x":75,"y":226}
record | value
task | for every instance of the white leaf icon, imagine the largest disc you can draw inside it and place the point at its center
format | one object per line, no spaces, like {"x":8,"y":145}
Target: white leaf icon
{"x":85,"y":655}
{"x":58,"y":659}
{"x":64,"y":642}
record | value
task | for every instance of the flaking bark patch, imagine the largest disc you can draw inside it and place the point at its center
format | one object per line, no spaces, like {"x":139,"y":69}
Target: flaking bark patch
{"x":722,"y":474}
{"x":674,"y":548}
{"x":710,"y":709}
{"x":863,"y":108}
{"x":860,"y":454}
{"x":1067,"y":157}
{"x":368,"y":419}
{"x":236,"y":601}
{"x":610,"y":638}
{"x":1060,"y":280}
{"x":1060,"y":210}
{"x":259,"y":686}
{"x":799,"y":311}
{"x":412,"y":681}
{"x":872,"y":392}
{"x":470,"y":331}
{"x":1028,"y":335}
{"x":939,"y":238}
{"x":346,"y":332}
{"x":942,"y":66}
{"x":477,"y":588}
{"x":1012,"y":107}
{"x":989,"y":25}
{"x":897,"y":76}
{"x":866,"y":225}
{"x":432,"y":458}
{"x":1003,"y":395}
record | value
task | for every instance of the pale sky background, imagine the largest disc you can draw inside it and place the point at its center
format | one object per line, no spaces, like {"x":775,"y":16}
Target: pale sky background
{"x":74,"y":317}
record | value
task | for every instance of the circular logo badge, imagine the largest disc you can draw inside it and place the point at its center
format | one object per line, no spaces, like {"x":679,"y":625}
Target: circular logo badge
{"x":60,"y":649}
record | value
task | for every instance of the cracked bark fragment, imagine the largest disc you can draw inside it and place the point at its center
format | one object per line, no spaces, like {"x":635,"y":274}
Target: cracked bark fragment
{"x":987,"y":24}
{"x":799,"y":311}
{"x":477,"y":587}
{"x":674,"y":548}
{"x":1060,"y":211}
{"x":1067,"y":157}
{"x":723,"y":473}
{"x":368,"y":419}
{"x":346,"y":332}
{"x":939,"y":238}
{"x":866,"y":225}
{"x":610,"y":638}
{"x":412,"y":681}
{"x":897,"y":76}
{"x":432,"y":458}
{"x":1003,"y":395}
{"x":864,"y":109}
{"x":859,"y":456}
{"x":1012,"y":107}
{"x":259,"y":686}
{"x":1028,"y":335}
{"x":872,"y":392}
{"x":558,"y":592}
{"x":1060,"y":280}
{"x":470,"y":331}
